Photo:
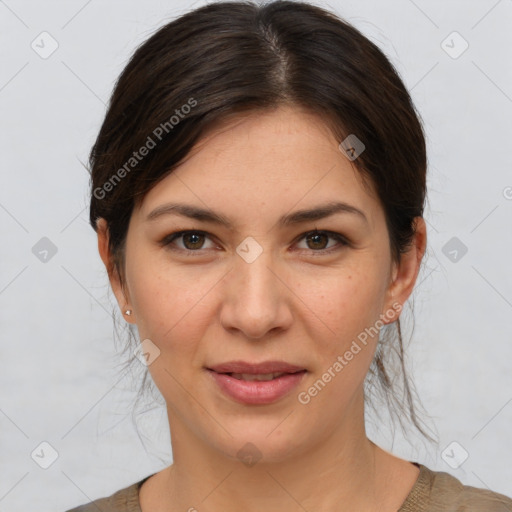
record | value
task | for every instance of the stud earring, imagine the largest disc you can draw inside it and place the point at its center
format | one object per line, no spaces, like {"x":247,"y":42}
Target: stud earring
{"x":128,"y":312}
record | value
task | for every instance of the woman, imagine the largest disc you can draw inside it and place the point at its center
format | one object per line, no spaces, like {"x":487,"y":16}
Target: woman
{"x":258,"y":187}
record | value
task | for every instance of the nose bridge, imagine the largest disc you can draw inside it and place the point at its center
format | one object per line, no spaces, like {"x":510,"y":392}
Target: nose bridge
{"x":257,"y":282}
{"x":257,"y":303}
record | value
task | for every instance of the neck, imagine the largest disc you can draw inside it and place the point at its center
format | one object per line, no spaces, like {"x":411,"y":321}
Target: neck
{"x":342,"y":471}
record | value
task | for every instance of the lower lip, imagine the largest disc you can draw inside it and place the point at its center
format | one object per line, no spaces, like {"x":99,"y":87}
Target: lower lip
{"x":257,"y":392}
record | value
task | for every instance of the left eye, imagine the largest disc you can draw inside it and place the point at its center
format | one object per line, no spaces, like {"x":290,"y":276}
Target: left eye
{"x":319,"y":237}
{"x":193,"y":240}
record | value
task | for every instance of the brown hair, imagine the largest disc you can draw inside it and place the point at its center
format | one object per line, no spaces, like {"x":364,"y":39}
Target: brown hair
{"x":228,"y":58}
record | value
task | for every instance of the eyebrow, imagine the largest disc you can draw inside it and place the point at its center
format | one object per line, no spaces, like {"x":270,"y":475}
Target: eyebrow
{"x":296,"y":217}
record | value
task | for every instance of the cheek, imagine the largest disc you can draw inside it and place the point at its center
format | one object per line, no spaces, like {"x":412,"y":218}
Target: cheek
{"x":349,"y":302}
{"x":172,"y":311}
{"x":173,"y":303}
{"x":349,"y":306}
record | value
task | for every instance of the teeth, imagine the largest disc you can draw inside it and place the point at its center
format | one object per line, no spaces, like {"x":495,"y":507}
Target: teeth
{"x":251,"y":377}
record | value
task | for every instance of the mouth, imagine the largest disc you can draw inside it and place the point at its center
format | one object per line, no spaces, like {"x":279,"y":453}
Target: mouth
{"x":237,"y":368}
{"x":253,"y":384}
{"x":257,"y":376}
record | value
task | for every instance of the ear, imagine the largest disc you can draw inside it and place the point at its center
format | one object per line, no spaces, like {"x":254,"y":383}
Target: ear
{"x":122,"y":297}
{"x":404,"y":274}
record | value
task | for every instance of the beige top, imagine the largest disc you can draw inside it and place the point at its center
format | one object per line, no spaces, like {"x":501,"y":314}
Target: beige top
{"x":434,"y":491}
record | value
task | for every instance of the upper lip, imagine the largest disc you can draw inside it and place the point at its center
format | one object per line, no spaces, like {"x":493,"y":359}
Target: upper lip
{"x":256,"y":368}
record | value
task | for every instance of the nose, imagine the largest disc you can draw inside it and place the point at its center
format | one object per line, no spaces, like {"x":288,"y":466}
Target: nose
{"x":257,"y":299}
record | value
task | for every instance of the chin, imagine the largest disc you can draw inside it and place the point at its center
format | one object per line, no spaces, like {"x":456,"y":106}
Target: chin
{"x":260,"y":442}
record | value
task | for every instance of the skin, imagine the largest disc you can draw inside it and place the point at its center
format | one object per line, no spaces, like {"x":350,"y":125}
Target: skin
{"x":292,"y":303}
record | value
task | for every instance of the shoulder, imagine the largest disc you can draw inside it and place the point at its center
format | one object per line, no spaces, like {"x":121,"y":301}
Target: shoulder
{"x":123,"y":500}
{"x":443,"y":492}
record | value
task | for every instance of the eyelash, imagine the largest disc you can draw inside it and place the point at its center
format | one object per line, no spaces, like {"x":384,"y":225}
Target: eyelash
{"x":168,"y":239}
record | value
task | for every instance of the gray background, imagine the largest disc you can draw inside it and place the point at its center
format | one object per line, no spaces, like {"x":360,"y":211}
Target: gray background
{"x":59,"y":374}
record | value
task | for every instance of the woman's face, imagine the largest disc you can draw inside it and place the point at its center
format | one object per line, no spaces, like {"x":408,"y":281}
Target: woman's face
{"x":262,"y":289}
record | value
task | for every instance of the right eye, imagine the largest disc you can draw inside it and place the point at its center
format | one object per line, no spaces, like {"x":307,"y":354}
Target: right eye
{"x":192,"y":241}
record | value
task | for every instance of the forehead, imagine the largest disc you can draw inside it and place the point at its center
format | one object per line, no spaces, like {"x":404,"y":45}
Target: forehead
{"x":267,"y":131}
{"x":265,"y":162}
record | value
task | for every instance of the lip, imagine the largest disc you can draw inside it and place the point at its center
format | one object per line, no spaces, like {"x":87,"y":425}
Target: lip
{"x":256,"y":368}
{"x":257,"y":392}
